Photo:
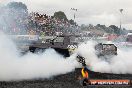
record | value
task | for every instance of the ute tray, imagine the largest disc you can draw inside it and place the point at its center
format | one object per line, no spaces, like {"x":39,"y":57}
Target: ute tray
{"x":105,"y":49}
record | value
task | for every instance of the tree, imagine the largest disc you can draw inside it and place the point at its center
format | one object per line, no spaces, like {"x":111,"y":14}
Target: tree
{"x":101,"y":26}
{"x":115,"y":28}
{"x":17,"y":5}
{"x":18,"y":8}
{"x":72,"y":22}
{"x":14,"y":17}
{"x":60,"y":15}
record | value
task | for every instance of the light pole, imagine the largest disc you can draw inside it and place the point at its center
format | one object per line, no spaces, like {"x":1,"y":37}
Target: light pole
{"x":75,"y":10}
{"x":121,"y":12}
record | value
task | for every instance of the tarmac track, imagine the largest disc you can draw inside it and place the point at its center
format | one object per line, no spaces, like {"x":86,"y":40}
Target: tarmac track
{"x":69,"y":80}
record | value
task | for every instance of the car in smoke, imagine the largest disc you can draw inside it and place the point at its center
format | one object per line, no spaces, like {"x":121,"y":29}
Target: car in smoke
{"x":105,"y":49}
{"x":62,"y":44}
{"x":65,"y":45}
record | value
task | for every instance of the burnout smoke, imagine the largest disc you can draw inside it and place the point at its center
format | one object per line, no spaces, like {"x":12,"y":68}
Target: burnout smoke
{"x":120,"y":64}
{"x":30,"y":66}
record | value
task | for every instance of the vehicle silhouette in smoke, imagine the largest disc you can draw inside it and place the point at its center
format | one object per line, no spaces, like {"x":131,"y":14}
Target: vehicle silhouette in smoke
{"x":105,"y":50}
{"x":62,"y":44}
{"x":129,"y":37}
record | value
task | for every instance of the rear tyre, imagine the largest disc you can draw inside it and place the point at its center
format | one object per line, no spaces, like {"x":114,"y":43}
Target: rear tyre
{"x":63,"y":52}
{"x":32,"y":49}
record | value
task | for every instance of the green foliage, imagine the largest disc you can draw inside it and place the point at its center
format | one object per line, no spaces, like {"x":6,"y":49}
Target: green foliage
{"x":116,"y":29}
{"x":17,"y":5}
{"x":101,"y":26}
{"x":18,"y":9}
{"x":60,"y":15}
{"x":72,"y":22}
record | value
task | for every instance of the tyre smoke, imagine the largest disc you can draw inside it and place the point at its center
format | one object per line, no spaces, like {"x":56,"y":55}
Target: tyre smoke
{"x":120,"y":64}
{"x":13,"y":66}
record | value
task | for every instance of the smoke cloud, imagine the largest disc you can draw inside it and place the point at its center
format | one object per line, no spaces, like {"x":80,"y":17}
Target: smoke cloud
{"x":13,"y":66}
{"x":120,"y":64}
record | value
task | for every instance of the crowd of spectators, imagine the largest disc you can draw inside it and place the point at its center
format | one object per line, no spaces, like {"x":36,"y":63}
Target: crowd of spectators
{"x":49,"y":25}
{"x":22,"y":23}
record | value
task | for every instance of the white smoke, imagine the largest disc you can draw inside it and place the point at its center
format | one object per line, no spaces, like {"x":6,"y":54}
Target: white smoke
{"x":120,"y":64}
{"x":13,"y":66}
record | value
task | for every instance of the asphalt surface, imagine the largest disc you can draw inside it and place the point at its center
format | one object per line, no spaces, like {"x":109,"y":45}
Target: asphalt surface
{"x":69,"y":80}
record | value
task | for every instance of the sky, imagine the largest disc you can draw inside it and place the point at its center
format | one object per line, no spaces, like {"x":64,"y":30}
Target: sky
{"x":105,"y":12}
